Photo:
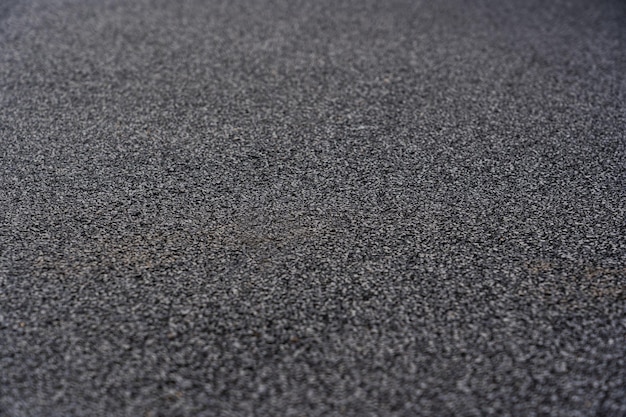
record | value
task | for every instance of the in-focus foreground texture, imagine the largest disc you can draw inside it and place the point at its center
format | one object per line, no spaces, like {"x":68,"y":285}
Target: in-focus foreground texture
{"x":312,"y":208}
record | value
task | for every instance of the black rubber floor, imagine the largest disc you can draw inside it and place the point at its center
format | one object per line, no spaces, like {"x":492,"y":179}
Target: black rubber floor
{"x":312,"y":208}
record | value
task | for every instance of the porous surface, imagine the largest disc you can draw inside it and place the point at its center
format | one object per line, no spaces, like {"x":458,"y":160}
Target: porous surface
{"x":312,"y":208}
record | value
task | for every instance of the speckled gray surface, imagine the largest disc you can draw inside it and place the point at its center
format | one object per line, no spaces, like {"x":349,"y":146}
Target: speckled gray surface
{"x":315,"y":208}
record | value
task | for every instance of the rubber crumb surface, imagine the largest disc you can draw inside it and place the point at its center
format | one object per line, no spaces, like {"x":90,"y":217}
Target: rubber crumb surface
{"x":352,"y":208}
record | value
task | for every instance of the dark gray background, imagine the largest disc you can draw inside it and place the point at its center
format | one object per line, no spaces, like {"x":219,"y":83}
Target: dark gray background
{"x":312,"y":208}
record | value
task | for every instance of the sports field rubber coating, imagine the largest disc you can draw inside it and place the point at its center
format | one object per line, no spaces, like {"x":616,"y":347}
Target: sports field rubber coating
{"x":312,"y":208}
